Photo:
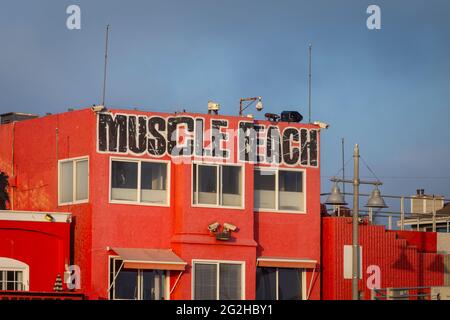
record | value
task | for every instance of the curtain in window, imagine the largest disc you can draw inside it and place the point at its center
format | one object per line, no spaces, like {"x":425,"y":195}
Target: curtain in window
{"x":264,"y":182}
{"x":289,"y":284}
{"x":266,"y":285}
{"x":230,"y":281}
{"x":231,"y":186}
{"x":82,"y":180}
{"x":207,"y":184}
{"x":153,"y":182}
{"x":205,"y":282}
{"x":66,"y":182}
{"x":290,"y":187}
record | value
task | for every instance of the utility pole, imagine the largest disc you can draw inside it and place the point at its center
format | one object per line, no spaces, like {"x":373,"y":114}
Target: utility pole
{"x":309,"y":85}
{"x":106,"y":64}
{"x":355,"y":225}
{"x":343,"y":168}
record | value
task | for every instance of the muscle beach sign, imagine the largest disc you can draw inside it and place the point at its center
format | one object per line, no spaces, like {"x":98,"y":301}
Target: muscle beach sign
{"x":184,"y":136}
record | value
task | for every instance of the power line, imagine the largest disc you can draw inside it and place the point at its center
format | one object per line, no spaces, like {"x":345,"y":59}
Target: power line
{"x":401,"y":178}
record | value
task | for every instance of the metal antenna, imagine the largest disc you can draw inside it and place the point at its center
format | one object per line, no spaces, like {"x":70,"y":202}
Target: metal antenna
{"x":106,"y":64}
{"x":309,"y":85}
{"x":343,"y":168}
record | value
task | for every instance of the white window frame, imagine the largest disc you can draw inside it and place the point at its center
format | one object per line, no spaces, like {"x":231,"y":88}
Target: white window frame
{"x":74,"y":180}
{"x":277,"y":191}
{"x":277,"y":285}
{"x":112,"y":260}
{"x":218,"y":185}
{"x":138,"y":201}
{"x":8,"y":264}
{"x":217,"y":264}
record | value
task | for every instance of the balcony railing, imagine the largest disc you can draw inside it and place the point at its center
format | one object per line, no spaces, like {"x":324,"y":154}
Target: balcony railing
{"x":398,"y":216}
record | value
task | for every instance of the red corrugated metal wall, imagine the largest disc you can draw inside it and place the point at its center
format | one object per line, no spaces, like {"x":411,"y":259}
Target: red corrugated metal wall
{"x":401,"y":263}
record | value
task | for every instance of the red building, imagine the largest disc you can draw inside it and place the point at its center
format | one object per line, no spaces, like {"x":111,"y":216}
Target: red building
{"x":34,"y":250}
{"x":174,"y":206}
{"x":415,"y":261}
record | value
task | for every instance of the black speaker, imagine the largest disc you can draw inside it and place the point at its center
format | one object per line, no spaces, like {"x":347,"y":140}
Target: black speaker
{"x":291,"y":116}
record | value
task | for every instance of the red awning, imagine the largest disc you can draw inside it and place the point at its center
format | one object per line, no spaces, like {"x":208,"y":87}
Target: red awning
{"x":156,"y":259}
{"x":278,"y":262}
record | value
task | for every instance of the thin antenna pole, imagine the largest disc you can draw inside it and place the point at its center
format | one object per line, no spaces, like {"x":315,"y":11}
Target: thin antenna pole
{"x":343,"y":167}
{"x":106,"y":64}
{"x":309,"y":85}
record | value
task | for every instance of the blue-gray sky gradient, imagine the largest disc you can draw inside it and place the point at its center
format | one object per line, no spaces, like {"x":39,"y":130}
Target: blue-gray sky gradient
{"x":388,"y":90}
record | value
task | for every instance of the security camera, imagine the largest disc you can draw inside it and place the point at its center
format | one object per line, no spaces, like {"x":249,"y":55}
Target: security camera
{"x":321,"y":125}
{"x":100,"y":108}
{"x":229,"y":227}
{"x":213,"y":227}
{"x":259,"y":105}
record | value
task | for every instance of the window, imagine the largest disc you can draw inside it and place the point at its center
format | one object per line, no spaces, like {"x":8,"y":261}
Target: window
{"x":14,"y":275}
{"x":139,"y":181}
{"x":217,"y":185}
{"x":11,"y":280}
{"x":73,"y":181}
{"x":218,"y":281}
{"x":279,"y":190}
{"x":279,"y":284}
{"x":135,"y":284}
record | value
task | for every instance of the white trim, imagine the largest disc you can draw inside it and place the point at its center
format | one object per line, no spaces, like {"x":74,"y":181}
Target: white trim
{"x":139,"y":163}
{"x":285,"y":260}
{"x":34,"y":216}
{"x":8,"y":264}
{"x":219,"y":169}
{"x":153,"y":262}
{"x":276,"y":172}
{"x":304,"y":293}
{"x":217,"y":264}
{"x":74,"y":180}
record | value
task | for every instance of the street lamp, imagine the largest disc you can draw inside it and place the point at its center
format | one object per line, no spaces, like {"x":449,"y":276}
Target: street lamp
{"x":375,"y":201}
{"x":250,"y":101}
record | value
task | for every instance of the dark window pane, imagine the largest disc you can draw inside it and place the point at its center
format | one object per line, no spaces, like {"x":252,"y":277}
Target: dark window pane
{"x":264,"y":182}
{"x":205,"y":282}
{"x":126,"y":283}
{"x":231,"y":186}
{"x":194,"y":183}
{"x":153,"y":182}
{"x":153,"y":176}
{"x":10,"y":286}
{"x":266,"y":284}
{"x":10,"y":276}
{"x":124,"y":180}
{"x":290,"y":187}
{"x":289,"y":284}
{"x":290,"y":181}
{"x":207,"y":184}
{"x":153,"y":284}
{"x":230,"y":282}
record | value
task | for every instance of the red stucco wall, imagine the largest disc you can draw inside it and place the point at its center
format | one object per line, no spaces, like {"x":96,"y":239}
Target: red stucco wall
{"x":403,"y":258}
{"x":44,"y":247}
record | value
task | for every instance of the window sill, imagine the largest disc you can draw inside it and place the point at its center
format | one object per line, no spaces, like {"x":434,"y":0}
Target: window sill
{"x":211,"y":206}
{"x":278,"y":211}
{"x":72,"y":203}
{"x":135,"y":203}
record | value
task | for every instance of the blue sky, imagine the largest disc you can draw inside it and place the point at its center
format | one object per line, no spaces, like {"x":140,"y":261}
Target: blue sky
{"x":388,"y":89}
